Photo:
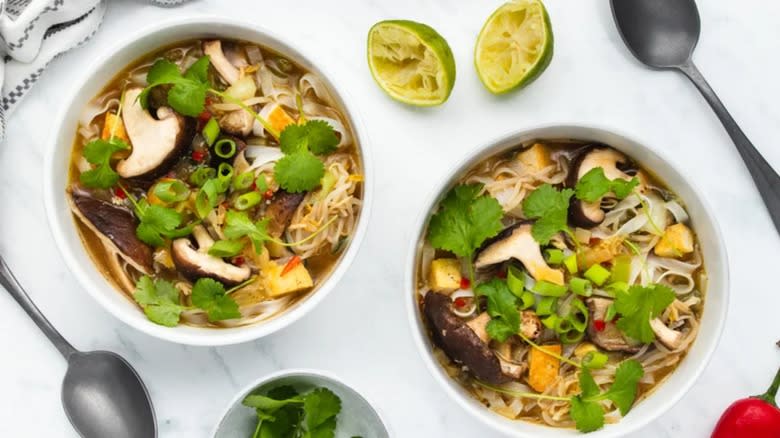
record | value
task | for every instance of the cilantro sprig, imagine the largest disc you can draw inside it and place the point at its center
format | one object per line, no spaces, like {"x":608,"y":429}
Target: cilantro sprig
{"x":465,"y":220}
{"x":637,"y":306}
{"x":188,"y":92}
{"x":550,"y":207}
{"x":283,"y":412}
{"x":156,"y":223}
{"x":300,"y":170}
{"x":159,"y":300}
{"x":587,"y":412}
{"x":594,"y":185}
{"x":502,"y":308}
{"x":211,"y":296}
{"x":238,"y":225}
{"x":98,"y":153}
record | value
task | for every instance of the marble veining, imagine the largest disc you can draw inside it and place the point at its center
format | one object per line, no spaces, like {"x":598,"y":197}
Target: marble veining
{"x":360,"y":332}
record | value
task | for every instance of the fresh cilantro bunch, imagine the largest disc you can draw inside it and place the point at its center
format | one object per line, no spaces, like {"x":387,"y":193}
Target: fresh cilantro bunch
{"x":238,"y":225}
{"x":157,"y":222}
{"x":594,"y":184}
{"x":637,"y":306}
{"x":587,"y":413}
{"x":502,"y":308}
{"x":465,"y":220}
{"x":188,"y":92}
{"x":550,"y":208}
{"x":160,"y":301}
{"x":98,"y":152}
{"x":210,"y":295}
{"x":300,"y":170}
{"x":283,"y":412}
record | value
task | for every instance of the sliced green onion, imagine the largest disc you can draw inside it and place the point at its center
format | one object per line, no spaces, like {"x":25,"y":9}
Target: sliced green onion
{"x":610,"y":314}
{"x":172,"y":190}
{"x":597,"y":274}
{"x":201,"y":175}
{"x":551,"y":321}
{"x":515,"y":280}
{"x":618,"y":286}
{"x":554,"y":256}
{"x":226,"y":248}
{"x":211,"y":131}
{"x":594,"y":360}
{"x":621,"y":268}
{"x":207,"y":198}
{"x":563,"y":325}
{"x":247,"y":200}
{"x":578,"y":315}
{"x":224,"y":176}
{"x":547,"y":289}
{"x":261,"y":184}
{"x":328,"y":182}
{"x":244,"y":180}
{"x":571,"y":264}
{"x":581,"y":286}
{"x":225,"y":148}
{"x":571,"y":337}
{"x":527,"y":300}
{"x":546,"y":306}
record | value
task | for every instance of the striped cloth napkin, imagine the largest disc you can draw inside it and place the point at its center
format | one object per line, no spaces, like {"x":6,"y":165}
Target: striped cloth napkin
{"x":33,"y":32}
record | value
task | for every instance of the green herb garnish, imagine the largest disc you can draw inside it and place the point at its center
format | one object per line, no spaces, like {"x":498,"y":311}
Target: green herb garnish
{"x":238,"y":224}
{"x":300,"y":170}
{"x":587,"y":413}
{"x":550,"y":208}
{"x":502,"y":308}
{"x":157,"y":222}
{"x":159,"y":299}
{"x":594,"y":184}
{"x":283,"y":412}
{"x":210,"y":295}
{"x":226,"y":248}
{"x":98,"y":152}
{"x":637,"y":306}
{"x":188,"y":94}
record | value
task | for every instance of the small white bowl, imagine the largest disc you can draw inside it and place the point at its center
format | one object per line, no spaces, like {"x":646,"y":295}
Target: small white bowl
{"x":680,"y":381}
{"x":95,"y":77}
{"x":357,"y":416}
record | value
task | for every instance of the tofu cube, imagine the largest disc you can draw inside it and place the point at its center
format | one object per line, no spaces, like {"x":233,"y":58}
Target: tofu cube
{"x":119,"y":130}
{"x":543,"y":368}
{"x":444,"y":275}
{"x":676,"y":241}
{"x":537,"y":157}
{"x":297,"y":279}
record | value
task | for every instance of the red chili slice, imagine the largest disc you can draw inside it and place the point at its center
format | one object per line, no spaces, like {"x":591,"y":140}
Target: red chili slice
{"x":599,"y":325}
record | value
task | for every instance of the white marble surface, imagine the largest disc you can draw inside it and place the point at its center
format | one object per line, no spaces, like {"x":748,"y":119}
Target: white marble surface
{"x":360,"y":332}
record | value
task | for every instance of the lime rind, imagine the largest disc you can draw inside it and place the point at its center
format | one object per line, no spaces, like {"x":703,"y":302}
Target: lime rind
{"x":514,"y":46}
{"x":411,"y":62}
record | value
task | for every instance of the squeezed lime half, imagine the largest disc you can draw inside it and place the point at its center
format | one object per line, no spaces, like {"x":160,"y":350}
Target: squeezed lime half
{"x":411,"y":62}
{"x":514,"y":46}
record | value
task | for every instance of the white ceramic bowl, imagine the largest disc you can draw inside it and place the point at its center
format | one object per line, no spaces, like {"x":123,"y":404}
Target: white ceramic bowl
{"x":357,"y":416}
{"x":98,"y":74}
{"x":716,"y":301}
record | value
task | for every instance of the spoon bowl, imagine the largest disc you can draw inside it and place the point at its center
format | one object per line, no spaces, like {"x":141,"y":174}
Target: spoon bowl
{"x":104,"y":397}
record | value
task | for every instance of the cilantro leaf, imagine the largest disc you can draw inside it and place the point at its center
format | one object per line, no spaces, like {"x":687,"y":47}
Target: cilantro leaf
{"x":299,"y":172}
{"x":465,"y":220}
{"x":163,"y":72}
{"x":188,"y":98}
{"x":159,"y":299}
{"x":282,"y":412}
{"x":188,"y":94}
{"x":99,"y":152}
{"x":226,"y":248}
{"x":293,"y":139}
{"x":637,"y":306}
{"x":623,"y":389}
{"x":550,"y":208}
{"x":502,"y":308}
{"x":210,"y":296}
{"x":316,"y":136}
{"x":238,"y":224}
{"x":594,"y":184}
{"x":588,"y":386}
{"x":320,"y":408}
{"x":157,"y":223}
{"x":199,"y":70}
{"x":587,"y":415}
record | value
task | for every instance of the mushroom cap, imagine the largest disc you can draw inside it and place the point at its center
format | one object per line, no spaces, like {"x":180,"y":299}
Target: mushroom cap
{"x":590,"y":214}
{"x":459,"y":341}
{"x":517,"y":242}
{"x":281,"y":209}
{"x":197,"y":263}
{"x":157,"y":143}
{"x":113,"y":223}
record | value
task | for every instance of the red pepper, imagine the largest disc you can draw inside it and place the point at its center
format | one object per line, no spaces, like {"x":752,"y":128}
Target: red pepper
{"x":204,"y":116}
{"x":120,"y":193}
{"x":238,"y":261}
{"x":198,"y":155}
{"x":464,"y":283}
{"x":752,"y":417}
{"x":599,"y":325}
{"x":501,"y":274}
{"x":460,"y":302}
{"x":268,"y":194}
{"x":294,"y":261}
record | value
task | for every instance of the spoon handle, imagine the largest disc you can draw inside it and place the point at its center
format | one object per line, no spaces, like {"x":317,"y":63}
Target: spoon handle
{"x":13,"y":287}
{"x":766,"y":179}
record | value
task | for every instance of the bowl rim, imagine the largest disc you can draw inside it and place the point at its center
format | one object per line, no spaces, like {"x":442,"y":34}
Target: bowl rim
{"x":493,"y":420}
{"x":295,"y":372}
{"x":220,"y":336}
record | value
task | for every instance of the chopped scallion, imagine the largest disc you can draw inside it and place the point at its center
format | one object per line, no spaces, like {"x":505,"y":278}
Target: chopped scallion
{"x":516,"y":281}
{"x":594,"y":360}
{"x":244,"y":180}
{"x":211,"y":131}
{"x":171,"y":190}
{"x":225,"y":148}
{"x":546,"y":306}
{"x":247,"y":200}
{"x":597,"y":274}
{"x":571,"y":264}
{"x":581,"y":286}
{"x":547,"y":289}
{"x":554,"y":256}
{"x":201,"y":175}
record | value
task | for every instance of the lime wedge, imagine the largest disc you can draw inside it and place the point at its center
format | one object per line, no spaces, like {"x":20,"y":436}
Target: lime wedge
{"x":514,"y":46}
{"x":411,"y":62}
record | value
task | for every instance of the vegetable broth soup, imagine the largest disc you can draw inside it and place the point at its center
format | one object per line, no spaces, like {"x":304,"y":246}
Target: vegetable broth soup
{"x":560,"y":282}
{"x":215,"y":182}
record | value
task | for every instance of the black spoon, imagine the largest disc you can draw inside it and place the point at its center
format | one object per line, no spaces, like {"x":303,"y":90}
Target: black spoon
{"x":662,"y":34}
{"x":101,"y":393}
